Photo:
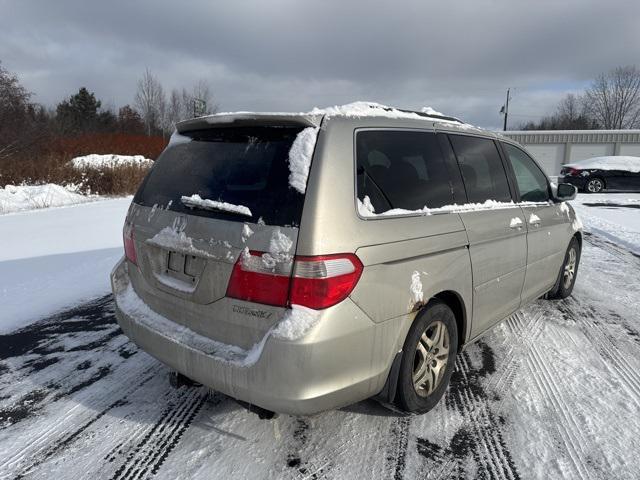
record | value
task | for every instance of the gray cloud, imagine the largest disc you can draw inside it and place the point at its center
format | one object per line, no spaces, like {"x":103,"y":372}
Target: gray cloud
{"x":458,"y":57}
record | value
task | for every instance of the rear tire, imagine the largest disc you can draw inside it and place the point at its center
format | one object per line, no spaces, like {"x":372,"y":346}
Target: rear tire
{"x":428,"y":358}
{"x":568,"y":272}
{"x":594,"y":185}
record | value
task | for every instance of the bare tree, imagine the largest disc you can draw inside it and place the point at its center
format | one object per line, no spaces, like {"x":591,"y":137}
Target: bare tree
{"x":20,"y":120}
{"x":569,"y":115}
{"x":180,"y":104}
{"x":613,"y":100}
{"x":151,"y":102}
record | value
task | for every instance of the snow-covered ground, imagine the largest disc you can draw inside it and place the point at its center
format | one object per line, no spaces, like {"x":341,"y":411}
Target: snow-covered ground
{"x":54,"y":258}
{"x":614,"y":216}
{"x":30,"y":197}
{"x":553,"y":392}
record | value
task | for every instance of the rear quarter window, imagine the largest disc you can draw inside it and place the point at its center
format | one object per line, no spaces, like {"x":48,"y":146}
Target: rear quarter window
{"x":240,"y":166}
{"x":399,"y":169}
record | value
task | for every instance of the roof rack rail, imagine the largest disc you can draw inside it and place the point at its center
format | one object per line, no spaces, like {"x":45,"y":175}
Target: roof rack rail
{"x":422,"y":114}
{"x":431,"y":115}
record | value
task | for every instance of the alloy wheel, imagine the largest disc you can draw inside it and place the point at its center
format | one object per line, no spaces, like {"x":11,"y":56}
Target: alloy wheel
{"x":594,"y":185}
{"x":570,"y":268}
{"x":431,"y":357}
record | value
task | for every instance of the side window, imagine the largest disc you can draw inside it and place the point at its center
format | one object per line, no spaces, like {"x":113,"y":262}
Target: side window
{"x":532,"y":183}
{"x":482,"y":170}
{"x":401,"y":169}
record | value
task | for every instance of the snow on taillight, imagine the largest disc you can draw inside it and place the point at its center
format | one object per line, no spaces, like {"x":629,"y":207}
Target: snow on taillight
{"x":322,"y":281}
{"x":317,"y":282}
{"x":258,"y":278}
{"x":129,"y":245}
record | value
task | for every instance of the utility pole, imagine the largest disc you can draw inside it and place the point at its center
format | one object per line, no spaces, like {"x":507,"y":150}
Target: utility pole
{"x":505,"y":111}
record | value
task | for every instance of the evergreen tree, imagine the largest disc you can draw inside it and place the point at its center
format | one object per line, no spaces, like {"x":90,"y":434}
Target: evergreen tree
{"x":79,"y":113}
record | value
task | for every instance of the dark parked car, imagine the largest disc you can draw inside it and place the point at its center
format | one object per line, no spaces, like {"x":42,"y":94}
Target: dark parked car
{"x":603,"y":173}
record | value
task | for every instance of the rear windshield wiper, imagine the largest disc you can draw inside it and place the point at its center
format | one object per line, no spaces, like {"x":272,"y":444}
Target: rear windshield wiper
{"x":195,"y":201}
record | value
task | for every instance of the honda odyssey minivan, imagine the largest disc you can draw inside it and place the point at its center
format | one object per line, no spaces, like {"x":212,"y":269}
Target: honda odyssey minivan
{"x":304,"y":262}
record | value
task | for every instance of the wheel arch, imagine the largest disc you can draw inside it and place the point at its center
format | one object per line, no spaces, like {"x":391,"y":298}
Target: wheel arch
{"x":454,"y":301}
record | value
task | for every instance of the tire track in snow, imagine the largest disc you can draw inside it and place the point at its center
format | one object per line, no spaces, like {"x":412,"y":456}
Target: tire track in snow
{"x":55,"y":439}
{"x":150,"y":452}
{"x":396,"y":452}
{"x":605,"y":343}
{"x":570,"y":432}
{"x":479,"y":438}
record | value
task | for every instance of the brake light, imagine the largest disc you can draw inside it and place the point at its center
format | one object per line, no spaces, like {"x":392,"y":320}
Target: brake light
{"x":574,"y":172}
{"x":317,"y":282}
{"x":129,"y":245}
{"x":256,"y":277}
{"x":322,"y":281}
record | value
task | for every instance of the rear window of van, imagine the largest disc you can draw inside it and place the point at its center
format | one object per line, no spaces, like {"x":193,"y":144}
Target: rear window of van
{"x":245,"y":166}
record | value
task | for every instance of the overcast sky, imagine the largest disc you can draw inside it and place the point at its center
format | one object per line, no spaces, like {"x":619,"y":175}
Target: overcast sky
{"x":458,"y":57}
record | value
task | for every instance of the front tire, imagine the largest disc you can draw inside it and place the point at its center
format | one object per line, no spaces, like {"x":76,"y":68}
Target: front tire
{"x":568,"y":272}
{"x":428,"y":358}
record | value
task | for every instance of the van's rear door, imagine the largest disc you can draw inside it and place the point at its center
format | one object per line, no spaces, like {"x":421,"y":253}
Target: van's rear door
{"x":212,"y":194}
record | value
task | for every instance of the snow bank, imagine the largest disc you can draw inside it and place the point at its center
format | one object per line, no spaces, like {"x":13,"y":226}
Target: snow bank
{"x":197,"y":201}
{"x":630,"y":164}
{"x":300,"y":158}
{"x":110,"y":161}
{"x":30,"y":197}
{"x":55,"y":258}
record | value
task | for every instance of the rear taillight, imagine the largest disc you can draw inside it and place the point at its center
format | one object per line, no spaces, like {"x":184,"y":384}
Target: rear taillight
{"x":574,"y":172}
{"x":317,"y":282}
{"x":129,"y":245}
{"x":322,"y":281}
{"x":256,"y":277}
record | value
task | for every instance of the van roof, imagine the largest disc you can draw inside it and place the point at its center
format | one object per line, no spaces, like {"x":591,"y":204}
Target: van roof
{"x":314,"y":117}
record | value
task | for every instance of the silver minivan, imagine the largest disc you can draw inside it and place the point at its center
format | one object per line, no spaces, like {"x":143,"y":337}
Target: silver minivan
{"x":304,"y":262}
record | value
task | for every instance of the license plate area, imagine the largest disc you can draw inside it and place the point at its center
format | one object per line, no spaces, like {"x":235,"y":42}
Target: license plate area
{"x":176,"y":262}
{"x":186,"y":268}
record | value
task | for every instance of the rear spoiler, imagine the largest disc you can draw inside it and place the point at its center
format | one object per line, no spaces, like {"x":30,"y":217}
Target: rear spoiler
{"x":244,"y":119}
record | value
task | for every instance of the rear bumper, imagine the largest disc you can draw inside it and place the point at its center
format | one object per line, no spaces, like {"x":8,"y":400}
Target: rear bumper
{"x":345,"y":358}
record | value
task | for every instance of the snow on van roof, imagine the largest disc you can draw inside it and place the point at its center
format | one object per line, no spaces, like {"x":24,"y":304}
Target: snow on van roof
{"x":357,"y":109}
{"x":621,"y":162}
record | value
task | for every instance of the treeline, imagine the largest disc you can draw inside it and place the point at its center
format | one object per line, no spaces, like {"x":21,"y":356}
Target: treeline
{"x":37,"y":142}
{"x":611,"y":102}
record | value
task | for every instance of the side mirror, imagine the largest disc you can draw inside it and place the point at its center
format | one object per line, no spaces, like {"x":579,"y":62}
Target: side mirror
{"x":565,"y":192}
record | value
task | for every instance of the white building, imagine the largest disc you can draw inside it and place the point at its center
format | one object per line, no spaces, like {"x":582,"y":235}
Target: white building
{"x":553,"y":148}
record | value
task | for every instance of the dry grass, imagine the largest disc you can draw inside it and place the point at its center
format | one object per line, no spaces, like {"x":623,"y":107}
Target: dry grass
{"x":121,"y":180}
{"x":51,"y":163}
